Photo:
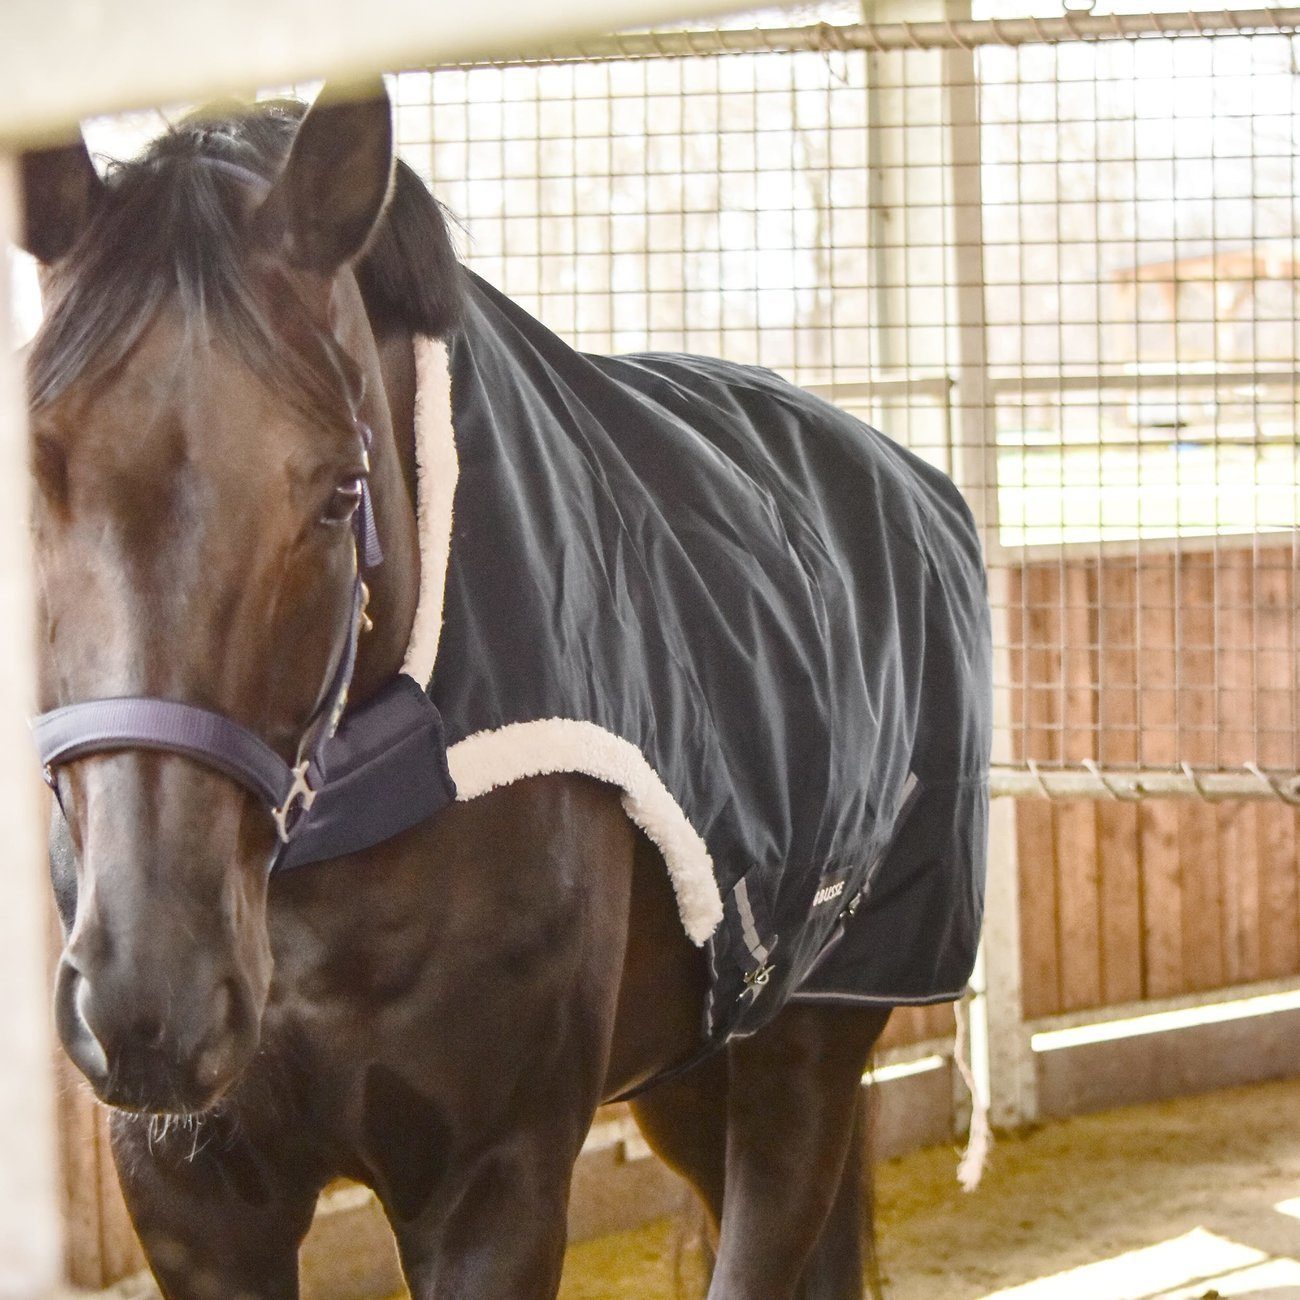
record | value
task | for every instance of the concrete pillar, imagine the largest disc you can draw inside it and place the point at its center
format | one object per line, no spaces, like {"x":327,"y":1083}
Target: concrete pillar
{"x":30,"y":1227}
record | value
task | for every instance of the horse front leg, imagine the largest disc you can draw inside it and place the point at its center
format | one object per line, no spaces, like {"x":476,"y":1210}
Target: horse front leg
{"x":473,"y":1170}
{"x":215,"y":1216}
{"x":505,"y":1233}
{"x":489,"y":1075}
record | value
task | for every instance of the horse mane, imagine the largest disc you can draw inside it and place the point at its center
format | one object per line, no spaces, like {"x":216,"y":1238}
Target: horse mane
{"x":409,"y":275}
{"x":169,"y":229}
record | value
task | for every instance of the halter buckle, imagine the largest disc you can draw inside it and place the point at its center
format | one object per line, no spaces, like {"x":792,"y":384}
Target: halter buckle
{"x":300,"y":798}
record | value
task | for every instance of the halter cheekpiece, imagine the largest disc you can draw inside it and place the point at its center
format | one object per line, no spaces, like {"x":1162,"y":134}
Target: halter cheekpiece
{"x":288,"y":790}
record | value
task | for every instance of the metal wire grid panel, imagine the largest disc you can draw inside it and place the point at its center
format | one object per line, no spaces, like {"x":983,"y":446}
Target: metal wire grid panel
{"x":1059,"y":264}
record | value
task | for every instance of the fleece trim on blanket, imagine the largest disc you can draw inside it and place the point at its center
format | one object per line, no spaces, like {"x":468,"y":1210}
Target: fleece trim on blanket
{"x":489,"y":759}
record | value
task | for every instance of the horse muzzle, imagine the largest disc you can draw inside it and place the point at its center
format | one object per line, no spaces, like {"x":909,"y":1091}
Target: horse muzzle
{"x":165,"y":1050}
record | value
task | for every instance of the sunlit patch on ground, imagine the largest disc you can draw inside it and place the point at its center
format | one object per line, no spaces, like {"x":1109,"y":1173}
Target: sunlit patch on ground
{"x":1202,"y":1259}
{"x":629,"y":1266}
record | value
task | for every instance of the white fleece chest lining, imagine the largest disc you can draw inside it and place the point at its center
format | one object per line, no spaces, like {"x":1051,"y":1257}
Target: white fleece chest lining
{"x":488,"y":759}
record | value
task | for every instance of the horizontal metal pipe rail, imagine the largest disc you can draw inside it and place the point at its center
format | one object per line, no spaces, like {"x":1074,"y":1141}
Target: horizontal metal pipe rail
{"x":1163,"y":378}
{"x":1091,"y":781}
{"x":830,"y":38}
{"x":849,"y":390}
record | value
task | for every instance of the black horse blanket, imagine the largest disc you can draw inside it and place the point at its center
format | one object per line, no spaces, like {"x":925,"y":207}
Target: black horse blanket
{"x":762,"y":620}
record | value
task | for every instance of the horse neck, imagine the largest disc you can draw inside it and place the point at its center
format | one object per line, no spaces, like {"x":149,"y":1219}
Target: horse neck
{"x":394,"y":585}
{"x":396,"y":350}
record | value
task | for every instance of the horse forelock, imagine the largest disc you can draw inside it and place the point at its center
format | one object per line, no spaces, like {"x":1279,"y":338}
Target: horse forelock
{"x":171,"y":230}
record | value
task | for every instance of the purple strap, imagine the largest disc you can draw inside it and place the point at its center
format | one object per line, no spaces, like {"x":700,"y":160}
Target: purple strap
{"x":370,"y":554}
{"x":98,"y":726}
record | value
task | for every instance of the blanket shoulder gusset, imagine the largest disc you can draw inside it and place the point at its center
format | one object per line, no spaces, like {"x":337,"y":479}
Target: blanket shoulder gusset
{"x":780,"y":613}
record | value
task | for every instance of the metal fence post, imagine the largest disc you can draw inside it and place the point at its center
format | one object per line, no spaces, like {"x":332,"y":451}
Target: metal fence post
{"x":1000,"y":1048}
{"x":30,"y":1228}
{"x":1002,"y":1057}
{"x":950,"y":143}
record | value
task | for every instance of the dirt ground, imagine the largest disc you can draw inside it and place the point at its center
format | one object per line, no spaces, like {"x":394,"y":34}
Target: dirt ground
{"x":1181,"y":1200}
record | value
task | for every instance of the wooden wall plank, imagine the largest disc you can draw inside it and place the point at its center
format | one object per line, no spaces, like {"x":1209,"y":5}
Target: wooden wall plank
{"x":1235,"y":739}
{"x":122,"y":1253}
{"x":940,"y":1019}
{"x":1160,"y":861}
{"x":1275,"y":824}
{"x":908,"y":1025}
{"x":100,"y":1245}
{"x":1238,"y":890}
{"x":1038,"y":704}
{"x":1274,"y":842}
{"x":83,"y":1258}
{"x":1039,"y":943}
{"x":1198,"y":824}
{"x":1078,"y":897}
{"x":1118,"y":847}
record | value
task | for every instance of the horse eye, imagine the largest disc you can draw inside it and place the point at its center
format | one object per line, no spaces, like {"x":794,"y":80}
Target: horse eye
{"x":343,"y":504}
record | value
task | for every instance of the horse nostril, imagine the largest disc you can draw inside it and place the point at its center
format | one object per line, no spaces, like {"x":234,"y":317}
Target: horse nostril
{"x":234,"y":1023}
{"x":96,"y":1059}
{"x":72,"y":1010}
{"x":215,"y":1064}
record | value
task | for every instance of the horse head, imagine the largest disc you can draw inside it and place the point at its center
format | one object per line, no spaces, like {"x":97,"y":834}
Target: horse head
{"x":199,"y":393}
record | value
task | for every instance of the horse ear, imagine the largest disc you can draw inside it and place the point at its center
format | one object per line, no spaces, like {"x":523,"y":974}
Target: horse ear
{"x":325,"y":204}
{"x":60,"y":190}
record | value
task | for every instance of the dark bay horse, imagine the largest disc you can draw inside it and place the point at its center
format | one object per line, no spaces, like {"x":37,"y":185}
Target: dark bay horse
{"x":210,"y":350}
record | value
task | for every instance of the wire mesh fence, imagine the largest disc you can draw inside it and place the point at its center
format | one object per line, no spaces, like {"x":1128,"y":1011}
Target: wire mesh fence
{"x":1055,"y":257}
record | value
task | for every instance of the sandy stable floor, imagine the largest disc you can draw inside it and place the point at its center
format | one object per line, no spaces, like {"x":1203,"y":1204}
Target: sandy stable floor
{"x":1185,"y":1199}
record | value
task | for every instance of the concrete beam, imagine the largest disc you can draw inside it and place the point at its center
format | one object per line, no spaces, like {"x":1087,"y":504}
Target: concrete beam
{"x":62,"y":60}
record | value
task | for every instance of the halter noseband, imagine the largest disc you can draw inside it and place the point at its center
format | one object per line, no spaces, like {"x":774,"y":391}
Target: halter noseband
{"x":142,"y":722}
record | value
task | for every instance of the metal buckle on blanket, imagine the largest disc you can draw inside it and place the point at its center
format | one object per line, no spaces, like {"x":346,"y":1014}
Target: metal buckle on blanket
{"x":301,"y":796}
{"x":758,"y":977}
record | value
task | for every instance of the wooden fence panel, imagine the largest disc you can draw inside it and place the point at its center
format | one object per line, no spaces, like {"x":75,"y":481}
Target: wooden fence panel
{"x":909,"y":1025}
{"x":1156,"y":661}
{"x":1036,"y":662}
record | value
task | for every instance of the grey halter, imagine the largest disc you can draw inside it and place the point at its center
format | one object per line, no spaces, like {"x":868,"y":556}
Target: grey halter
{"x":288,"y":790}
